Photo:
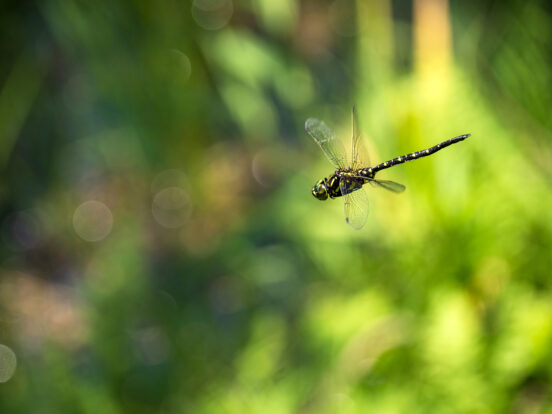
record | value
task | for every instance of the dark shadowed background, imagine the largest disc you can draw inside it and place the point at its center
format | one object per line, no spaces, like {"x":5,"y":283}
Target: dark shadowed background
{"x":160,"y":248}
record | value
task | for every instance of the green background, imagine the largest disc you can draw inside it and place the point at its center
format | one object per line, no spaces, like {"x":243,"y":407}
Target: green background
{"x":162,"y":252}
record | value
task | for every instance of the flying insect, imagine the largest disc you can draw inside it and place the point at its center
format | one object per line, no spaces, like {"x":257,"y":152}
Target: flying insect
{"x":350,"y":175}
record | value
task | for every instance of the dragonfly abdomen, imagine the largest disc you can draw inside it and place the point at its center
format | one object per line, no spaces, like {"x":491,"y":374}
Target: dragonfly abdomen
{"x":415,"y":155}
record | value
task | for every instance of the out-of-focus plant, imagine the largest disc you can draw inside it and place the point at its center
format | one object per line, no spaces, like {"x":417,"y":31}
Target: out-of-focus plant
{"x":161,"y":250}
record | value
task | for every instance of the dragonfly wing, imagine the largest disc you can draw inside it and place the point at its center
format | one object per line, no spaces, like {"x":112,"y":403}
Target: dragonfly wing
{"x":326,"y":138}
{"x":389,"y":185}
{"x":356,"y":206}
{"x":359,"y":154}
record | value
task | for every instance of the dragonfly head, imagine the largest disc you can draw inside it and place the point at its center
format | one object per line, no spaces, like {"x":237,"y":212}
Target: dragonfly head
{"x":320,"y":190}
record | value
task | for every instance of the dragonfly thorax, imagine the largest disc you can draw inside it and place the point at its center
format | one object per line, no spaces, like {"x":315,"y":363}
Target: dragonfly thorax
{"x":340,"y":182}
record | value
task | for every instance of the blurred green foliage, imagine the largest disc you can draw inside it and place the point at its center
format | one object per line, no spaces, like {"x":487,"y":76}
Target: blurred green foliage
{"x":161,"y":249}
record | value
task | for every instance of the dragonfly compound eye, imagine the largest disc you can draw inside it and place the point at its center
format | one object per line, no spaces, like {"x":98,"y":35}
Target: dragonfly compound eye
{"x":319,"y":190}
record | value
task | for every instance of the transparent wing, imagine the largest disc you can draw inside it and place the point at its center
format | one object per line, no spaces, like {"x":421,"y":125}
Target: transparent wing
{"x":359,"y":154}
{"x":356,"y":206}
{"x":389,"y":185}
{"x":325,"y":137}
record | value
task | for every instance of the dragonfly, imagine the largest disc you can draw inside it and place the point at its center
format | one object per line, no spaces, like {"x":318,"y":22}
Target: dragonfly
{"x":350,"y":175}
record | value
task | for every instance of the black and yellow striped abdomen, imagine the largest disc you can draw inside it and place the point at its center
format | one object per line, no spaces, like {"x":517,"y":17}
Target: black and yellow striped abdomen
{"x":370,"y":172}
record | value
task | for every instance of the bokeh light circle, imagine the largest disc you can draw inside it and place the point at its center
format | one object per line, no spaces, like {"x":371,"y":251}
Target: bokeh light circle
{"x":171,"y":207}
{"x":265,"y":168}
{"x":92,"y":221}
{"x":8,"y":363}
{"x":212,"y":14}
{"x":183,"y":63}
